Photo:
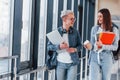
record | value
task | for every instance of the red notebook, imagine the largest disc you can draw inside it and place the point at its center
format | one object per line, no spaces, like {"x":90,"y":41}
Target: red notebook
{"x":107,"y":37}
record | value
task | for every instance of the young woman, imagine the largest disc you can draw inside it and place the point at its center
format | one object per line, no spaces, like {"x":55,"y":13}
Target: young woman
{"x":101,"y":61}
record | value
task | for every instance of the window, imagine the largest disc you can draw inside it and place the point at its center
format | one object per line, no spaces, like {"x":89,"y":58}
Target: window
{"x":6,"y":27}
{"x":25,"y":37}
{"x":42,"y":33}
{"x":26,"y":30}
{"x":42,"y":37}
{"x":55,"y":14}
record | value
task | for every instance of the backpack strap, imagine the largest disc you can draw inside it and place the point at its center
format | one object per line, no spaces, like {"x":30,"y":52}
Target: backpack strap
{"x":114,"y":25}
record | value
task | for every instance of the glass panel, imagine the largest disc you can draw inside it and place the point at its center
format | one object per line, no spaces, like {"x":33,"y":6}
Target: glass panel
{"x":5,"y":22}
{"x":4,"y":26}
{"x":51,"y":73}
{"x":40,"y":75}
{"x":42,"y":32}
{"x":77,"y":15}
{"x":65,"y":5}
{"x":72,"y":7}
{"x":26,"y":30}
{"x":55,"y":15}
{"x":4,"y":79}
{"x":42,"y":37}
{"x":25,"y":77}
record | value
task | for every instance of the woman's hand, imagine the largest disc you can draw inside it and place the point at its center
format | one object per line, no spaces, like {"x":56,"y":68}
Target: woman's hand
{"x":87,"y":45}
{"x":99,"y":44}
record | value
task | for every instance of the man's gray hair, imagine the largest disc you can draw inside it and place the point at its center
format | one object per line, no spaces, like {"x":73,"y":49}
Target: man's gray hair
{"x":66,"y":12}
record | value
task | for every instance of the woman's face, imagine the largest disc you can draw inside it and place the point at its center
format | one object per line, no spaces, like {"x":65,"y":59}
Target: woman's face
{"x":100,"y":18}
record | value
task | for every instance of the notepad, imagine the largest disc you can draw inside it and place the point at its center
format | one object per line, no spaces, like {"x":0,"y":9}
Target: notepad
{"x":55,"y":37}
{"x":107,"y":37}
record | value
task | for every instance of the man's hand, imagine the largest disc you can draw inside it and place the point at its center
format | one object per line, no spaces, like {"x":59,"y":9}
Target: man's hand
{"x":71,"y":50}
{"x":64,"y":45}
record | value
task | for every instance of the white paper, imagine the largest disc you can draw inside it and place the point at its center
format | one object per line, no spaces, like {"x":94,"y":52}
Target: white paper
{"x":55,"y":37}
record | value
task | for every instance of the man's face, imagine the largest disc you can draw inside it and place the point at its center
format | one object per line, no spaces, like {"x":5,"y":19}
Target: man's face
{"x":70,"y":19}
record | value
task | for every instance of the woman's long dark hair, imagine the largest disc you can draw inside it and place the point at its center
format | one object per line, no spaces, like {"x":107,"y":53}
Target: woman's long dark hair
{"x":107,"y":22}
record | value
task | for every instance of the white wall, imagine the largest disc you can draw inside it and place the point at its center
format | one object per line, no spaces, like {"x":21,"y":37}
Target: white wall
{"x":112,"y":5}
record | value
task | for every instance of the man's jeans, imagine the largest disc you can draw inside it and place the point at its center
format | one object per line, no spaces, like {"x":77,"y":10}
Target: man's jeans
{"x":104,"y":68}
{"x":66,"y":71}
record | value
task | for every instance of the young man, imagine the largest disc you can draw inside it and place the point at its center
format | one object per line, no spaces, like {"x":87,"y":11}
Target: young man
{"x":67,"y":60}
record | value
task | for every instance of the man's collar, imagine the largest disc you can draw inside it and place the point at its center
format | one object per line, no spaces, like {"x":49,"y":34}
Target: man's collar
{"x":69,"y":31}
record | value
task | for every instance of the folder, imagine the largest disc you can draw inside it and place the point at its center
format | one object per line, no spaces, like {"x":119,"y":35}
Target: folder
{"x":55,"y":37}
{"x":107,"y":37}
